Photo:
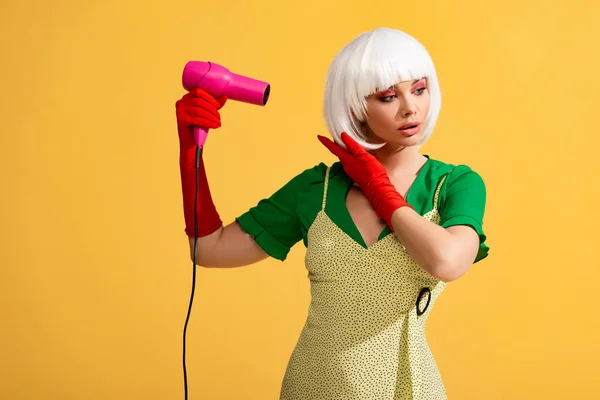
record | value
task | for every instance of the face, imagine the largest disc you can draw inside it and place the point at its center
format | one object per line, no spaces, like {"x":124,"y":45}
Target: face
{"x":396,"y":115}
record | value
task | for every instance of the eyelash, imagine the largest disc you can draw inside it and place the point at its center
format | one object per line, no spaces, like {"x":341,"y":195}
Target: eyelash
{"x":383,"y":99}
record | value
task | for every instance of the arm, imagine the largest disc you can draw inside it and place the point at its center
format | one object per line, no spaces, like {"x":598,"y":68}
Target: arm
{"x":446,"y":253}
{"x":447,"y":250}
{"x":270,"y":228}
{"x":227,"y":247}
{"x":216,"y":246}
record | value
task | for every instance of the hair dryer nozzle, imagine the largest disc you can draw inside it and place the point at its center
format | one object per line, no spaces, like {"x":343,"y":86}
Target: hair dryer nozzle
{"x":248,"y":90}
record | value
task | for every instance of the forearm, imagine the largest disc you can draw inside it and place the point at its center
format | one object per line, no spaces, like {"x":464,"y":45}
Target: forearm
{"x":446,"y":254}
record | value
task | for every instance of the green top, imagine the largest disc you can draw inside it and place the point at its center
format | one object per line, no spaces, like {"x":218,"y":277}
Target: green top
{"x":279,"y":222}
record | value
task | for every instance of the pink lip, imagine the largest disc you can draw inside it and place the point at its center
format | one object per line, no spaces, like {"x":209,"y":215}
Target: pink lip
{"x":410,"y":129}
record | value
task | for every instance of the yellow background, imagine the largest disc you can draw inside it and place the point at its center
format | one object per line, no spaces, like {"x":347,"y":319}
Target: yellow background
{"x":95,"y":275}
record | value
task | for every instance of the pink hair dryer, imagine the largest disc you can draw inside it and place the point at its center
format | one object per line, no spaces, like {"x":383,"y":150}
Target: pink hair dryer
{"x":218,"y":81}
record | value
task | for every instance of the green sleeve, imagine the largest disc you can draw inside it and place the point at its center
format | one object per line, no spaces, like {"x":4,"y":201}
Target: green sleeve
{"x":462,"y":202}
{"x":275,"y":222}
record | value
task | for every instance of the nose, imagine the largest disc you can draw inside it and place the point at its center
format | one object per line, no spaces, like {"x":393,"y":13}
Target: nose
{"x":407,"y":109}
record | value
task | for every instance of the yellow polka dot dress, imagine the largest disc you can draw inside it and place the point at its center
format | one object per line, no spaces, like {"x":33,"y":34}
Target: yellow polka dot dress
{"x":364,"y":335}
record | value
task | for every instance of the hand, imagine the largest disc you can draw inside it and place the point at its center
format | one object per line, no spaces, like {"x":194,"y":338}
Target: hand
{"x":197,"y":108}
{"x":370,"y":175}
{"x":361,"y":166}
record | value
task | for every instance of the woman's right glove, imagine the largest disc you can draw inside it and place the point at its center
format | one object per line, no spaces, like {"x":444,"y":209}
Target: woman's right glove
{"x":370,"y":175}
{"x":197,"y":108}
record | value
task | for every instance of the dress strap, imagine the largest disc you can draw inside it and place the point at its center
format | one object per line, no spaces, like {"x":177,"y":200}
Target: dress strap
{"x":437,"y":192}
{"x":325,"y":188}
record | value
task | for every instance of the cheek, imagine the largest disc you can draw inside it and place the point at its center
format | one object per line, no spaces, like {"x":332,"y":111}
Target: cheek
{"x":424,"y":102}
{"x":380,"y":114}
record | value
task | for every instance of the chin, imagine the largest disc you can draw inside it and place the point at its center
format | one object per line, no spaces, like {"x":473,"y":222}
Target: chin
{"x":402,"y":140}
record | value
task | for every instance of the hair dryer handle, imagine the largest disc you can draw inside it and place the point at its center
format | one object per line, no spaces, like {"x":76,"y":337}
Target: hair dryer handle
{"x":200,"y":135}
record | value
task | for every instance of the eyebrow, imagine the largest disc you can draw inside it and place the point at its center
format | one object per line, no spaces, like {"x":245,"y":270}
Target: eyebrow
{"x":413,"y":82}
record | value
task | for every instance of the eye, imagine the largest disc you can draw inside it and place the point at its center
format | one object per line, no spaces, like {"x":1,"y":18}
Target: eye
{"x":387,"y":99}
{"x":420,"y":87}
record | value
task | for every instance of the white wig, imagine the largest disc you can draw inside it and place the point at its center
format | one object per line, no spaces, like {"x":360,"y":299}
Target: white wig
{"x":375,"y":61}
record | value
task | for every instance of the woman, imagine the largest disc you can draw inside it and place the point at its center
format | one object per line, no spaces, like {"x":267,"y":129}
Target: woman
{"x":385,"y":228}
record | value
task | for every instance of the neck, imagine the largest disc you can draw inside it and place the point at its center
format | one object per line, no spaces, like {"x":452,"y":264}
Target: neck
{"x":400,"y":159}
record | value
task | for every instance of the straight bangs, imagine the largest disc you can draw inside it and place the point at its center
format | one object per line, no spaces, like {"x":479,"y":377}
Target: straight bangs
{"x":383,"y":62}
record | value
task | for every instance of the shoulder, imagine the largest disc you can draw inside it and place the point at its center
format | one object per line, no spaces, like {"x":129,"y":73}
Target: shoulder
{"x":309,"y":182}
{"x":454,"y":175}
{"x":317,"y":174}
{"x":309,"y":177}
{"x":462,"y":200}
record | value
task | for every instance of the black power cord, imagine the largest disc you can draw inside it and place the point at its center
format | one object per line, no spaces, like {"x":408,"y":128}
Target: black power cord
{"x":187,"y":319}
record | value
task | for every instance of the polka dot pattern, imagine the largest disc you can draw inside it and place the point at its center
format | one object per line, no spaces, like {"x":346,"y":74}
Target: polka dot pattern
{"x":364,"y":337}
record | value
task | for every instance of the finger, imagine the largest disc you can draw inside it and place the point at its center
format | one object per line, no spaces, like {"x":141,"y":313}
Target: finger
{"x":203,"y":94}
{"x":199,"y":114}
{"x":332,"y":147}
{"x":205,"y":123}
{"x":198,"y":119}
{"x":202,"y":112}
{"x":221,"y":100}
{"x":200,"y":122}
{"x":352,"y":146}
{"x":201,"y":104}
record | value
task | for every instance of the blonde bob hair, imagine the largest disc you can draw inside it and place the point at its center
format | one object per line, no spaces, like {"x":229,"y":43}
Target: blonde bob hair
{"x":372,"y":62}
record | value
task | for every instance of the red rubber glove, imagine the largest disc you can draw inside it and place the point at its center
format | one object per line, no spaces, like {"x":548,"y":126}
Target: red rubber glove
{"x":197,"y":108}
{"x":368,"y":173}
